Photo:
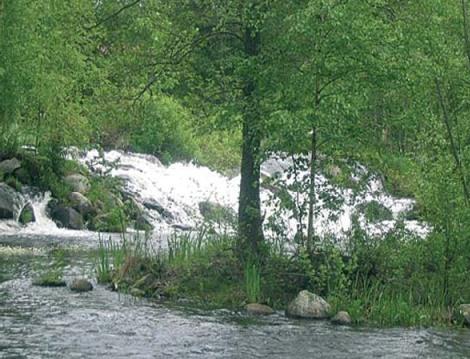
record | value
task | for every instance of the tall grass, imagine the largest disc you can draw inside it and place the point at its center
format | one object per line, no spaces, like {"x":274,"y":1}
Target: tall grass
{"x":252,"y":277}
{"x":380,"y":304}
{"x":181,"y":247}
{"x":110,"y":257}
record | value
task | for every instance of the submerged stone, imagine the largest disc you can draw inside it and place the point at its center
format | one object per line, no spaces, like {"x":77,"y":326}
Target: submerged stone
{"x":341,"y":318}
{"x":308,"y":305}
{"x":81,"y":285}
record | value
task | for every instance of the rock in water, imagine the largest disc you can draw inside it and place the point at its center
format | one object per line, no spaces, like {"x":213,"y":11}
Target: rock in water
{"x":10,"y":202}
{"x":78,"y":183}
{"x":67,"y":217}
{"x":258,"y":309}
{"x":9,"y":166}
{"x":341,"y":318}
{"x":308,"y":305}
{"x":81,"y":285}
{"x":465,"y":311}
{"x":27,"y":214}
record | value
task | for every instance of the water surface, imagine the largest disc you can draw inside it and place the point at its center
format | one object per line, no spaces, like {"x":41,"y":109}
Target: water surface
{"x":37,"y":322}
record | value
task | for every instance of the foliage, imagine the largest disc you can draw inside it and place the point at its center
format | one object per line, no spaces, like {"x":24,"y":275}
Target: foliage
{"x":110,"y":257}
{"x":384,"y":82}
{"x":252,"y":283}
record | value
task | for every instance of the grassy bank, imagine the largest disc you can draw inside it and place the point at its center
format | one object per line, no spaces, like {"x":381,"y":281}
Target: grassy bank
{"x":381,"y":283}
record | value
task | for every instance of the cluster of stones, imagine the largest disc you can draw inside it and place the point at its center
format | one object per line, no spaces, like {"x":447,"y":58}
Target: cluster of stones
{"x":307,"y":306}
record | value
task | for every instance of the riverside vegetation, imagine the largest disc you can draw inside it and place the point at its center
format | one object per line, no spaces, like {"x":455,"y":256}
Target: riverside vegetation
{"x":225,"y":83}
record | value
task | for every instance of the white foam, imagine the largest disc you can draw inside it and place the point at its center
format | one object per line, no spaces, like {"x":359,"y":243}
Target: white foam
{"x":180,"y":187}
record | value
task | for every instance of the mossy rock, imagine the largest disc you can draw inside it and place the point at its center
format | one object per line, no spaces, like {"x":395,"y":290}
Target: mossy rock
{"x":27,"y":215}
{"x":81,"y":285}
{"x":50,"y":280}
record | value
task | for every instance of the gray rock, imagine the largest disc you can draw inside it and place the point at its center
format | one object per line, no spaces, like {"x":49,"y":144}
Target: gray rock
{"x":341,"y":318}
{"x":156,"y":206}
{"x":27,"y":214}
{"x":10,"y":202}
{"x":80,"y":203}
{"x":464,"y":309}
{"x":182,"y":227}
{"x":258,"y":309}
{"x":81,"y":285}
{"x":67,"y":217}
{"x":78,"y":183}
{"x":308,"y":305}
{"x":9,"y":166}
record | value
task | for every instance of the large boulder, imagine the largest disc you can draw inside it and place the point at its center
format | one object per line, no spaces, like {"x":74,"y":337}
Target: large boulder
{"x":27,"y":214}
{"x":9,"y":166}
{"x":464,"y":310}
{"x":308,"y":305}
{"x":10,"y":202}
{"x":78,"y":183}
{"x":67,"y":217}
{"x":80,"y":203}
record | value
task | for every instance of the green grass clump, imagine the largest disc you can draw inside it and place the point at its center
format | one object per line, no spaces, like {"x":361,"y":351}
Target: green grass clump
{"x":110,"y":256}
{"x":252,"y":283}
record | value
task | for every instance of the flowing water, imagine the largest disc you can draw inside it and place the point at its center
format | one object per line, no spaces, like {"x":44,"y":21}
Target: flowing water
{"x":177,"y":190}
{"x":39,"y":322}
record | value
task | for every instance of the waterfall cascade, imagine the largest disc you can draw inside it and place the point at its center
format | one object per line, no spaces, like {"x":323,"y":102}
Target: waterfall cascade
{"x":181,"y":187}
{"x":171,"y":196}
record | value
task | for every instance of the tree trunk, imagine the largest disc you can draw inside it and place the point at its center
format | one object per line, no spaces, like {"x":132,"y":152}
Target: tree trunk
{"x":311,"y":192}
{"x":249,"y":213}
{"x":453,"y":146}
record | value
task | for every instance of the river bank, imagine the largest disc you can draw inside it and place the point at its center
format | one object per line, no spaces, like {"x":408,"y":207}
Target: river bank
{"x":371,"y":257}
{"x":55,"y":322}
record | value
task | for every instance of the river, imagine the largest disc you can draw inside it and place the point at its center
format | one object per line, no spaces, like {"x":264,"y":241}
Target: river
{"x":40,"y":322}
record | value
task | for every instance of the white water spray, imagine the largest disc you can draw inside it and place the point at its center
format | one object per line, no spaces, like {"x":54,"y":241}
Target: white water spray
{"x":181,"y":187}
